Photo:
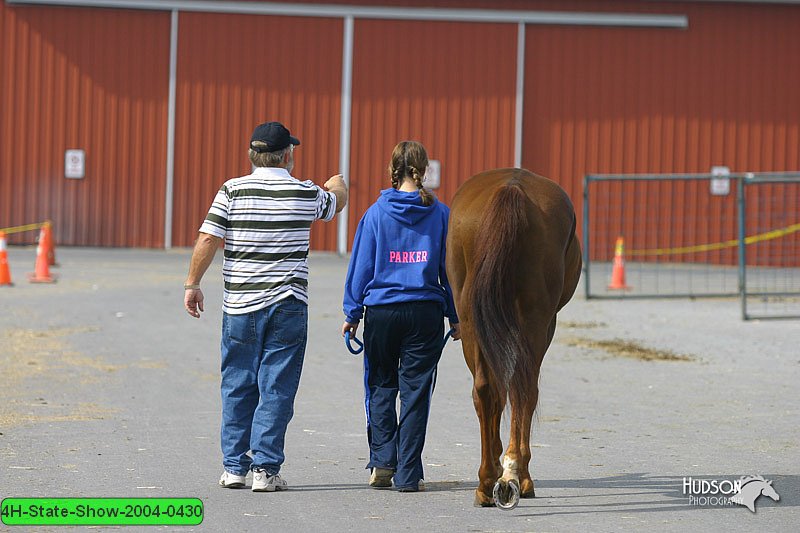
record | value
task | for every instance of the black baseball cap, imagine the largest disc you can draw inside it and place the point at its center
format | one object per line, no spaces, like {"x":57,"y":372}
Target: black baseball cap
{"x":275,"y":135}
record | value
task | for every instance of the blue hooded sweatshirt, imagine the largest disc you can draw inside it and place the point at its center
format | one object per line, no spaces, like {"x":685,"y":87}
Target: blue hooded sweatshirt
{"x":399,"y":255}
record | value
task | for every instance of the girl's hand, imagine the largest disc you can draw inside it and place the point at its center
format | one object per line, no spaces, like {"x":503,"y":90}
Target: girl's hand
{"x":352,"y":328}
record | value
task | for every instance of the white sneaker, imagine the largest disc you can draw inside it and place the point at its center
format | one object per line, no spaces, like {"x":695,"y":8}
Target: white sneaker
{"x":263,"y":482}
{"x":381,"y":477}
{"x":231,"y":481}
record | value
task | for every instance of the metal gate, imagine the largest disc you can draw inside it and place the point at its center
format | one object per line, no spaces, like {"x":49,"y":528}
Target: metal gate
{"x":769,"y":245}
{"x":695,"y":235}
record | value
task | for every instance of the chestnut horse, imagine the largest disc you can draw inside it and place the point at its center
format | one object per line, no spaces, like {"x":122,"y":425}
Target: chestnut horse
{"x":513,"y":261}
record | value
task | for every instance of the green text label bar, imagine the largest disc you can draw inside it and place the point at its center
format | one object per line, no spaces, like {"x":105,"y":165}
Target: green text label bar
{"x":101,"y":511}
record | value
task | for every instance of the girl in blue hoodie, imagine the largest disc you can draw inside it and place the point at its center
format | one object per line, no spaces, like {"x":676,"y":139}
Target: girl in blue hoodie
{"x":397,"y":271}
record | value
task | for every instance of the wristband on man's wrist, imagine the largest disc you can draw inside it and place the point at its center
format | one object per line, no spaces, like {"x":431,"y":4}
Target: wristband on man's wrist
{"x":187,"y":287}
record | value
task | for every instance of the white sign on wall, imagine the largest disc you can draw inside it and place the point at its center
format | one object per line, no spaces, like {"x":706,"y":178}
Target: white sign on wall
{"x":432,"y":178}
{"x":74,"y":164}
{"x":720,"y":186}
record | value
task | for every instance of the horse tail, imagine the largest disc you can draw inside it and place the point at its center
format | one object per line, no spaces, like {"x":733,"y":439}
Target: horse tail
{"x":494,"y":289}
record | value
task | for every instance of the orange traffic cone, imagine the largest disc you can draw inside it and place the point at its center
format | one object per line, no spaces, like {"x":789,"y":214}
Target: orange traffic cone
{"x":42,"y":269}
{"x":5,"y":272}
{"x":49,"y":246}
{"x":618,"y":272}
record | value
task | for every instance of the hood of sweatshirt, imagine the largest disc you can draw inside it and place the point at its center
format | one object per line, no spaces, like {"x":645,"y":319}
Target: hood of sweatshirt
{"x":405,"y":207}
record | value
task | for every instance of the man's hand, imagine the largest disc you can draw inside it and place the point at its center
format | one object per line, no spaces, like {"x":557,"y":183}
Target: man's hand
{"x":334,"y":182}
{"x":204,"y":250}
{"x":193,"y":301}
{"x":456,"y":331}
{"x":337,"y":186}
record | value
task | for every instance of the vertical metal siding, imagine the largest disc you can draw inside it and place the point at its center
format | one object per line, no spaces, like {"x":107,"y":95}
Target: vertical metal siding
{"x":92,"y":79}
{"x":597,"y":100}
{"x":235,"y":71}
{"x":450,"y":86}
{"x":621,"y":100}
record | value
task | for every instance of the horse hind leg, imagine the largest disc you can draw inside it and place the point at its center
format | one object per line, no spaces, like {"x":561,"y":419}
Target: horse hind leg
{"x":518,"y":456}
{"x":489,"y":409}
{"x":525,"y":418}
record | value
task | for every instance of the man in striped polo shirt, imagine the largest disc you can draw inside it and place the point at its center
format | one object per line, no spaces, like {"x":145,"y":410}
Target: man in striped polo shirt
{"x":265,"y":220}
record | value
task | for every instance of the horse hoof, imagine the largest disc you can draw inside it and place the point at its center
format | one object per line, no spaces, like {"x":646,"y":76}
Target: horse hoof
{"x":482,"y":499}
{"x":527,"y":489}
{"x":506,"y":494}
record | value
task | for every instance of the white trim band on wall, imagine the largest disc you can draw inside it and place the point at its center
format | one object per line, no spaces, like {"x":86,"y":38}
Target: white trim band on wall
{"x":373,"y":12}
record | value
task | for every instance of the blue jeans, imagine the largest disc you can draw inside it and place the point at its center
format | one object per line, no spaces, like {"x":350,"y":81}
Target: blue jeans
{"x":262,"y":357}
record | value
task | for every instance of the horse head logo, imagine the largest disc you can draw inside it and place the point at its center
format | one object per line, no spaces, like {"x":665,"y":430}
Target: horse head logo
{"x":750,"y":488}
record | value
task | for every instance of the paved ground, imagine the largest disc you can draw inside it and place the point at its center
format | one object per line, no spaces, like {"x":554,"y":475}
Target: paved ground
{"x":107,"y":388}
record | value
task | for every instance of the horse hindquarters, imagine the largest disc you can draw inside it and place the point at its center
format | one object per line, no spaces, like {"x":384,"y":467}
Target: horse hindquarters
{"x":511,"y":261}
{"x":501,"y":344}
{"x":495,"y":285}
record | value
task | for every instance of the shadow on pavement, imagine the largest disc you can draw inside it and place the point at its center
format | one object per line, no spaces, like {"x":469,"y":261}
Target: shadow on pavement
{"x":433,"y":486}
{"x":644,"y":493}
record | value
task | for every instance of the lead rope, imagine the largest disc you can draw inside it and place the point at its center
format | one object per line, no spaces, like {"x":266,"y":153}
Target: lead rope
{"x":348,"y":340}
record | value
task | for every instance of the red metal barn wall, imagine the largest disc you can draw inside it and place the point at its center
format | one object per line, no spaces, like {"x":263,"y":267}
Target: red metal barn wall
{"x":235,"y":71}
{"x":596,"y":100}
{"x":92,"y":79}
{"x":632,"y":100}
{"x":448,"y":85}
{"x":445,"y":88}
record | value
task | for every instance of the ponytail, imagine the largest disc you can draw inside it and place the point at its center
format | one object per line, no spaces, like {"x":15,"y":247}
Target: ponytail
{"x":409,"y":159}
{"x":424,"y":194}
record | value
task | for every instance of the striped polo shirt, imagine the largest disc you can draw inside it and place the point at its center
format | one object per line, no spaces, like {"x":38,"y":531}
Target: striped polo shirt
{"x":265,"y":219}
